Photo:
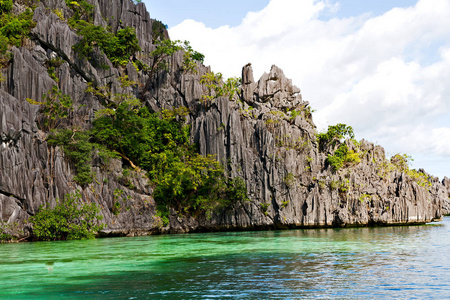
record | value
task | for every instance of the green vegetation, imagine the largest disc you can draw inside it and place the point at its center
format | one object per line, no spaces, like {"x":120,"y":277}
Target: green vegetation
{"x":158,"y":29}
{"x":344,"y":186}
{"x":264,"y":208}
{"x":401,"y":162}
{"x":216,"y":87}
{"x":289,"y":180}
{"x":118,"y":47}
{"x":54,"y":109}
{"x":79,"y":149}
{"x":294,"y":114}
{"x":6,"y":230}
{"x":334,"y":134}
{"x":159,"y":144}
{"x":364,"y":197}
{"x":14,"y":29}
{"x":5,"y":6}
{"x":81,"y":11}
{"x":343,"y":157}
{"x":68,"y":220}
{"x":164,"y":50}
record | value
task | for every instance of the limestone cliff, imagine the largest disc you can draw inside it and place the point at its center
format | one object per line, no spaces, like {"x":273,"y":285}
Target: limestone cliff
{"x":257,"y":136}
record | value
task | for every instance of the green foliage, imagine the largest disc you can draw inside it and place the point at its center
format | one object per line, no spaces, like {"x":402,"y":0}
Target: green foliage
{"x":216,"y":87}
{"x":236,"y":191}
{"x":70,"y":219}
{"x":125,"y":45}
{"x":264,"y":208}
{"x":14,"y":29}
{"x":159,"y":144}
{"x":294,"y":114}
{"x":158,"y":30}
{"x":334,"y":185}
{"x":284,"y":204}
{"x":93,"y":35}
{"x":420,"y":178}
{"x":5,"y":232}
{"x":161,"y":217}
{"x":78,"y":150}
{"x":59,"y":13}
{"x":401,"y":162}
{"x":344,"y":186}
{"x":5,"y":6}
{"x":54,"y":108}
{"x":4,"y":41}
{"x":334,"y":134}
{"x":190,"y":57}
{"x":343,"y":157}
{"x":289,"y":180}
{"x":82,"y":11}
{"x":118,"y":48}
{"x":364,"y":197}
{"x":165,"y":48}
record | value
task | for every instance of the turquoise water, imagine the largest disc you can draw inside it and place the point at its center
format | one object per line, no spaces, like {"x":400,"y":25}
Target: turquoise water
{"x":357,"y":263}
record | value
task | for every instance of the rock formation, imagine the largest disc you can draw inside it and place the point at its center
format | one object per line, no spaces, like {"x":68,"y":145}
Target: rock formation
{"x":265,"y":136}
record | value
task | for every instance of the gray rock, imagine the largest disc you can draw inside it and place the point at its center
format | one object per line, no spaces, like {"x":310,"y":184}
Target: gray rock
{"x":259,"y":139}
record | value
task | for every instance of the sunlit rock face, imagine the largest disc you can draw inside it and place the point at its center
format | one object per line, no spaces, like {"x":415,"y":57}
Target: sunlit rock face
{"x":264,"y":135}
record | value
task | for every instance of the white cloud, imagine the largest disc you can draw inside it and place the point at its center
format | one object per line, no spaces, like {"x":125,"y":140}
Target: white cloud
{"x":383,"y":75}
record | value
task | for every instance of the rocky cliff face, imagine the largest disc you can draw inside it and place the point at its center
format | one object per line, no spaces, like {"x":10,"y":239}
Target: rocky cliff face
{"x":265,"y":136}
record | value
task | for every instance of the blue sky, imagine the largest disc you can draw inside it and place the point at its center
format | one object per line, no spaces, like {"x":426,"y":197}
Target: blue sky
{"x":382,"y":67}
{"x":231,"y":12}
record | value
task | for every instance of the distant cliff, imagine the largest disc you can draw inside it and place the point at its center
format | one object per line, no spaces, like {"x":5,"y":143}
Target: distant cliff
{"x":264,"y":135}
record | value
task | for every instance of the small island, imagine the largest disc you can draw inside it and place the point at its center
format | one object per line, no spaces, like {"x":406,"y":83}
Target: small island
{"x":109,"y":128}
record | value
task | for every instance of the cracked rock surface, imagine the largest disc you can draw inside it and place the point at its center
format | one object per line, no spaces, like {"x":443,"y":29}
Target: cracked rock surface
{"x":256,"y":136}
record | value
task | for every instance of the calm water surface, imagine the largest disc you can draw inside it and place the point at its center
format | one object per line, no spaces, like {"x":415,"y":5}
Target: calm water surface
{"x":360,"y":263}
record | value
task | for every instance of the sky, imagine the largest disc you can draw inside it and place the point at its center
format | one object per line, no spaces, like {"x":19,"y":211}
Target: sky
{"x":382,"y":67}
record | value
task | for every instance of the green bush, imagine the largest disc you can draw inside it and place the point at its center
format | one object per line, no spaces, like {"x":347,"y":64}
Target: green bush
{"x":4,"y":41}
{"x":68,"y":220}
{"x":14,"y":28}
{"x":5,"y":232}
{"x":82,"y":11}
{"x":118,"y":48}
{"x":165,"y":48}
{"x":5,"y":6}
{"x":216,"y":87}
{"x":159,"y":144}
{"x":342,"y":156}
{"x":401,"y":162}
{"x":54,"y":109}
{"x":125,"y":44}
{"x":334,"y":134}
{"x":158,"y":30}
{"x":79,"y":149}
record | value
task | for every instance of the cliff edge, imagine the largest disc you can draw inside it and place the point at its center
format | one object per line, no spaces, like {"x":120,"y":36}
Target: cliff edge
{"x":263,"y":134}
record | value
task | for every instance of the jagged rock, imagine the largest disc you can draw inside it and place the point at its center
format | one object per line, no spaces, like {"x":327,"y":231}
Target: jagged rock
{"x":268,"y":139}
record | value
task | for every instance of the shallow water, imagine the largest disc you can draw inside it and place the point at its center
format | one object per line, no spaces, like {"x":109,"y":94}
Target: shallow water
{"x":357,"y":263}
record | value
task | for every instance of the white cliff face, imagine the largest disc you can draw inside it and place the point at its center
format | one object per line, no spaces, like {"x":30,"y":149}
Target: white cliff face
{"x":265,"y":136}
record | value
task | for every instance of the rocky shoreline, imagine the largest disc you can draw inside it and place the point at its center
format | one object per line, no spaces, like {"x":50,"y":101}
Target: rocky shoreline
{"x":266,"y":136}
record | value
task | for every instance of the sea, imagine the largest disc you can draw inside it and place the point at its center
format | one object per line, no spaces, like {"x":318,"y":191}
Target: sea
{"x":401,"y":262}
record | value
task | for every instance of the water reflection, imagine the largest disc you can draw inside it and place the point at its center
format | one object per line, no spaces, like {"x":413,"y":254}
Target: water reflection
{"x":350,"y":263}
